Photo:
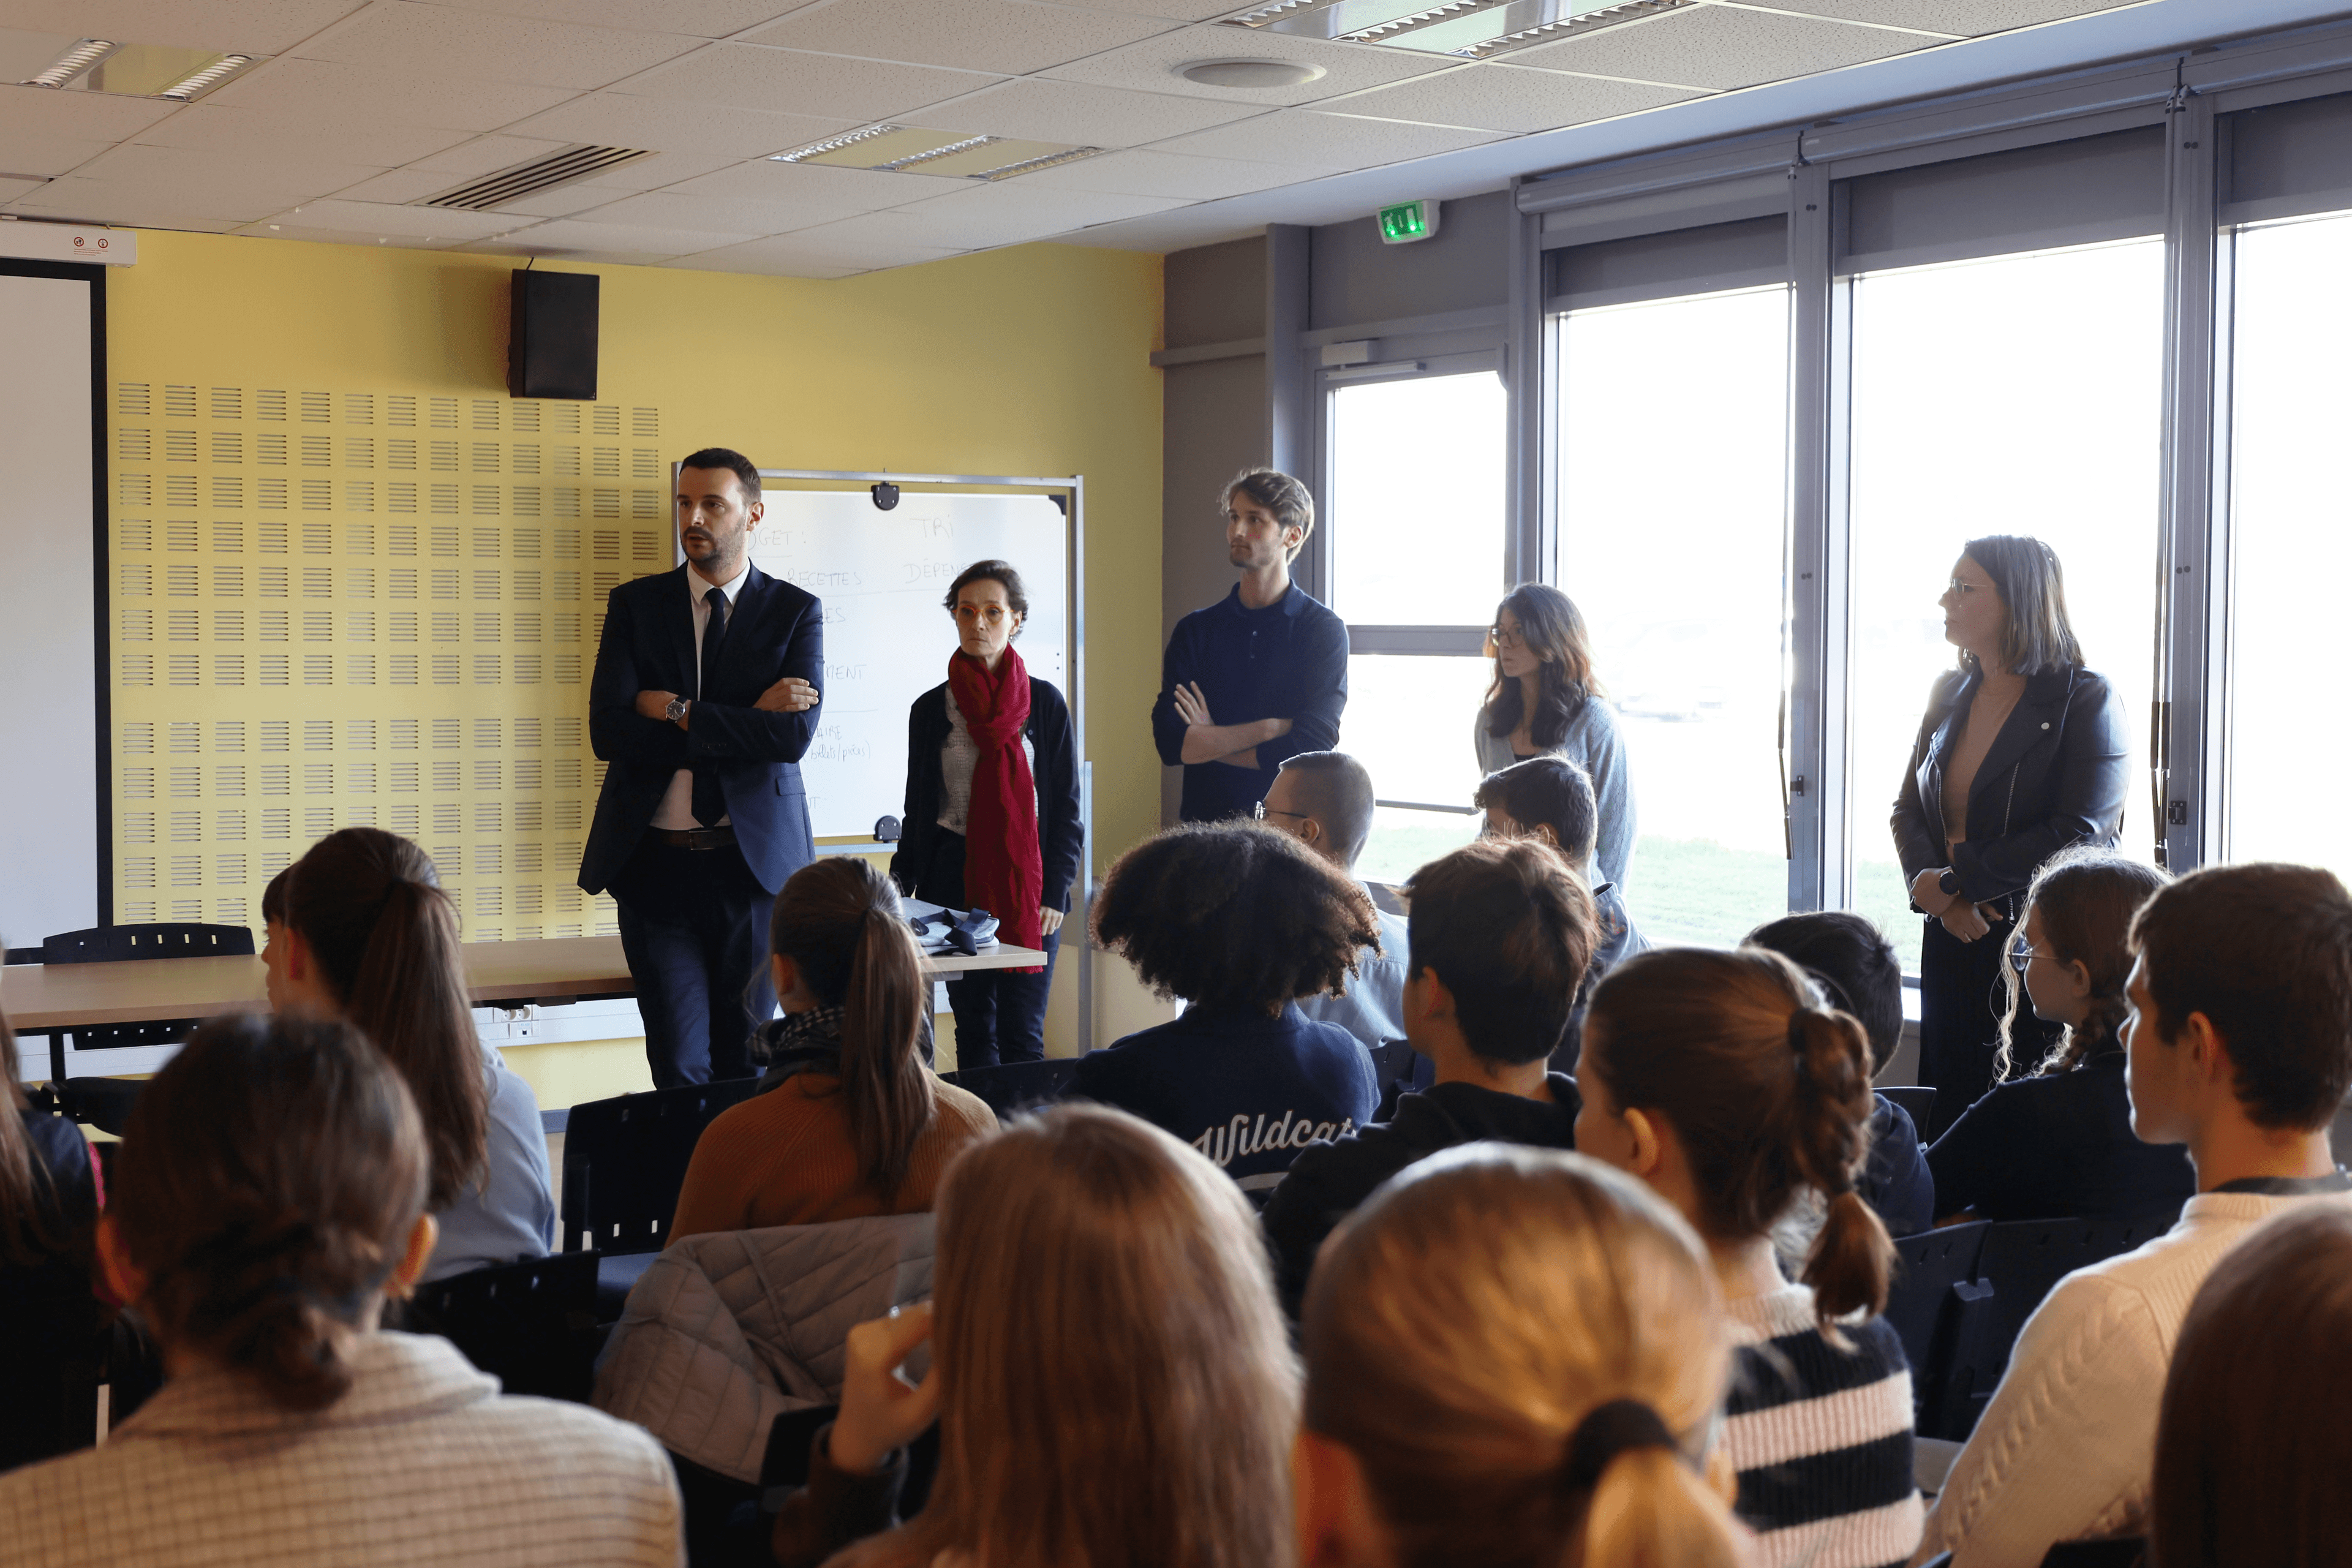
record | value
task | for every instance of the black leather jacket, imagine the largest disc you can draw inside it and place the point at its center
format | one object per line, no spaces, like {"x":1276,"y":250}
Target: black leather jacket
{"x":1060,"y":833}
{"x":2056,"y":776}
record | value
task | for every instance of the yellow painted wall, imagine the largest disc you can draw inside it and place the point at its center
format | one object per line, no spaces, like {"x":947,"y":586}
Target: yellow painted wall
{"x":1031,"y":361}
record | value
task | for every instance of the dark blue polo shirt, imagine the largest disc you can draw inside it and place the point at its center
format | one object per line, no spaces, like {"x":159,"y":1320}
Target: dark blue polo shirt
{"x":1288,"y":660}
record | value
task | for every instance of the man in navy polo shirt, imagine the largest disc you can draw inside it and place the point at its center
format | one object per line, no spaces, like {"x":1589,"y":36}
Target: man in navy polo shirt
{"x":1259,"y":676}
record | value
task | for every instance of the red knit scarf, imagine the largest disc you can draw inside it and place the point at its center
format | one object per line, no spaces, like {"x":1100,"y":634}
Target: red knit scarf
{"x":1004,"y":869}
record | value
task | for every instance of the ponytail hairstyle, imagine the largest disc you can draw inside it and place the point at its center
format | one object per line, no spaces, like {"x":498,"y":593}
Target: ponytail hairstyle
{"x":34,"y":1227}
{"x":384,"y":937}
{"x":1554,"y":629}
{"x":839,"y":921}
{"x":2086,"y":898}
{"x":1464,"y":1323}
{"x":269,"y":1178}
{"x":1769,"y":1092}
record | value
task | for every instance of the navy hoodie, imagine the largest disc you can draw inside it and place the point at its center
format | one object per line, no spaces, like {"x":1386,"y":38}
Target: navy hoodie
{"x":1247,"y":1089}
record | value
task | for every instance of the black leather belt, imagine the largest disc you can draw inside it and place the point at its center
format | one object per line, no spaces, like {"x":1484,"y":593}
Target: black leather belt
{"x":692,"y":837}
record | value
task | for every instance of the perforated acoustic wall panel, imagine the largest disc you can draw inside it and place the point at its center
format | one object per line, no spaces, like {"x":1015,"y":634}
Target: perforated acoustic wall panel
{"x":337,"y":607}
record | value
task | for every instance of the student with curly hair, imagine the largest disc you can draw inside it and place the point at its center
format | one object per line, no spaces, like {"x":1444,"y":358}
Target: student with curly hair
{"x":270,"y":1197}
{"x":1721,"y":1079}
{"x":1239,"y":921}
{"x":2057,"y":1143}
{"x":1539,"y":1384}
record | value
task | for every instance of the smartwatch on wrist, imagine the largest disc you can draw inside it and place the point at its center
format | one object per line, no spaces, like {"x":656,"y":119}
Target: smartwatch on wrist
{"x":1949,"y":883}
{"x":677,"y":705}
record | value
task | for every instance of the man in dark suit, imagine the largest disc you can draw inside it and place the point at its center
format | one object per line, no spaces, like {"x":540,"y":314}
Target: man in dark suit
{"x":704,"y":701}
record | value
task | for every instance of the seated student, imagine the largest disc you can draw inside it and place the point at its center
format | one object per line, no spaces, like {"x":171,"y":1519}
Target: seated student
{"x":1856,"y":966}
{"x":1108,"y":1371}
{"x":2059,"y":1144}
{"x":2252,"y":1449}
{"x":1550,"y":799}
{"x":359,"y":930}
{"x":2239,"y":1044}
{"x":1501,"y":932}
{"x":48,"y":1202}
{"x":1715,"y":1076}
{"x":270,"y":1193}
{"x":1239,"y":921}
{"x":1539,"y":1386}
{"x":846,"y":1122}
{"x":1324,"y":799}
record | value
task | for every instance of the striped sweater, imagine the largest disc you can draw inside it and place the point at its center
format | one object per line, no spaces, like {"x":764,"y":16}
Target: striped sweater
{"x":1821,"y":1437}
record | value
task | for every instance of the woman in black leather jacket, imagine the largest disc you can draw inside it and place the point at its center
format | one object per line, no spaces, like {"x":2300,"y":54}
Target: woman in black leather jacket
{"x":2021,"y":754}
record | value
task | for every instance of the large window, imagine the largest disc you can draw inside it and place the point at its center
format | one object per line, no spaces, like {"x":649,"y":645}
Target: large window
{"x":2291,"y":533}
{"x":1672,"y":526}
{"x":2019,"y":394}
{"x":1418,"y":560}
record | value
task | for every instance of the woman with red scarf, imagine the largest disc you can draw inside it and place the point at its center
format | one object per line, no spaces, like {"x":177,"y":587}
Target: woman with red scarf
{"x":992,"y":816}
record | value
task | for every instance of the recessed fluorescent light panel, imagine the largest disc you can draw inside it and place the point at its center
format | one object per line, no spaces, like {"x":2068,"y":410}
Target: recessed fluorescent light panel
{"x":103,"y":64}
{"x":1472,"y":30}
{"x":952,"y":154}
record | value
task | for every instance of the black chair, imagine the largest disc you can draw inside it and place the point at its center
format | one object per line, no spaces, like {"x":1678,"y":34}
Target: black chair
{"x":2115,"y":1552}
{"x":625,"y":1161}
{"x":1915,"y":1101}
{"x":128,"y":945}
{"x":2022,"y":1261}
{"x":103,"y":1102}
{"x":1933,"y":1271}
{"x":1017,"y":1086}
{"x":531,"y":1325}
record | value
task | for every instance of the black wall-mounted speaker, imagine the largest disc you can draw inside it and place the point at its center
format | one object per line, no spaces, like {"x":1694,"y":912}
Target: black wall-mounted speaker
{"x":552,"y":353}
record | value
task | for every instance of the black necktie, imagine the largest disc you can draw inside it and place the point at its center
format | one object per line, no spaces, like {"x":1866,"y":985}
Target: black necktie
{"x":710,"y":800}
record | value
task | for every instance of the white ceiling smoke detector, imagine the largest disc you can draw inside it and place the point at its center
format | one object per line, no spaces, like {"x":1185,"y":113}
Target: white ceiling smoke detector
{"x":1250,"y":73}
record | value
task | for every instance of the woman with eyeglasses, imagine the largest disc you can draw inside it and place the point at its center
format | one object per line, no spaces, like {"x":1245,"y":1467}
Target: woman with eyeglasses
{"x":2021,"y":754}
{"x":992,"y":814}
{"x":1546,"y":701}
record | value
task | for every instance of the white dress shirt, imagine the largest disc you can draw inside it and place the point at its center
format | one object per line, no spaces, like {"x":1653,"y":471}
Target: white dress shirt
{"x":676,"y":811}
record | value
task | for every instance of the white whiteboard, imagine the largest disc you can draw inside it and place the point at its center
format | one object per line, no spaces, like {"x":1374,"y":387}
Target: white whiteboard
{"x":888,"y":638}
{"x":49,"y":848}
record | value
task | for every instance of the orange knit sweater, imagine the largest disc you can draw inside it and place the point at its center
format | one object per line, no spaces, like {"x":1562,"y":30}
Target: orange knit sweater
{"x":786,"y":1157}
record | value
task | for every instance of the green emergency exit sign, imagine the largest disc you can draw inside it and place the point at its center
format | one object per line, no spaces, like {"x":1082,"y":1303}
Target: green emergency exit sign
{"x":1408,"y":221}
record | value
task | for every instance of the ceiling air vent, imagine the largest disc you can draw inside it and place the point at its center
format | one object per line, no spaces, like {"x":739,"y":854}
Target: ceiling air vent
{"x":539,"y":174}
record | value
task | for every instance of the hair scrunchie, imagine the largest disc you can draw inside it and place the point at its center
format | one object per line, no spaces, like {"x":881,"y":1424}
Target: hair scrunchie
{"x":1607,"y":1431}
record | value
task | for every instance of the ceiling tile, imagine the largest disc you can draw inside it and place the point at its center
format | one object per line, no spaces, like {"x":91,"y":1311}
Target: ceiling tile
{"x":812,"y":255}
{"x":298,"y":229}
{"x":700,"y":18}
{"x":621,"y":119}
{"x":21,"y":153}
{"x":83,"y":116}
{"x":747,"y":75}
{"x":1496,"y":98}
{"x":11,"y":189}
{"x":146,"y":204}
{"x":990,"y":216}
{"x":401,"y":186}
{"x":1046,"y":110}
{"x":1148,"y":173}
{"x":1969,"y":17}
{"x":1718,"y":47}
{"x":781,"y":264}
{"x":400,"y":37}
{"x":821,"y":185}
{"x":1008,"y":36}
{"x":573,"y":234}
{"x":1306,"y":138}
{"x":376,"y":220}
{"x":661,"y":169}
{"x":232,"y":26}
{"x":251,"y":133}
{"x":1173,"y":10}
{"x":1152,"y":66}
{"x":487,"y":155}
{"x":283,"y":180}
{"x":562,"y":201}
{"x":330,"y":90}
{"x":685,"y":211}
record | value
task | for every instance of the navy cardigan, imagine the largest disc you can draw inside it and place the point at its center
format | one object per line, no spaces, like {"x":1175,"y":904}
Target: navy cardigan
{"x":1060,"y":833}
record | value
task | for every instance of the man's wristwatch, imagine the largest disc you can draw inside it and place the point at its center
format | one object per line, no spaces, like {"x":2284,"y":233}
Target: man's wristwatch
{"x":676,"y":710}
{"x":1950,"y":882}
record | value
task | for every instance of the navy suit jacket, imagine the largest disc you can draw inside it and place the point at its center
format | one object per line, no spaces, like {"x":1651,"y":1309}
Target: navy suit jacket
{"x":775,"y":630}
